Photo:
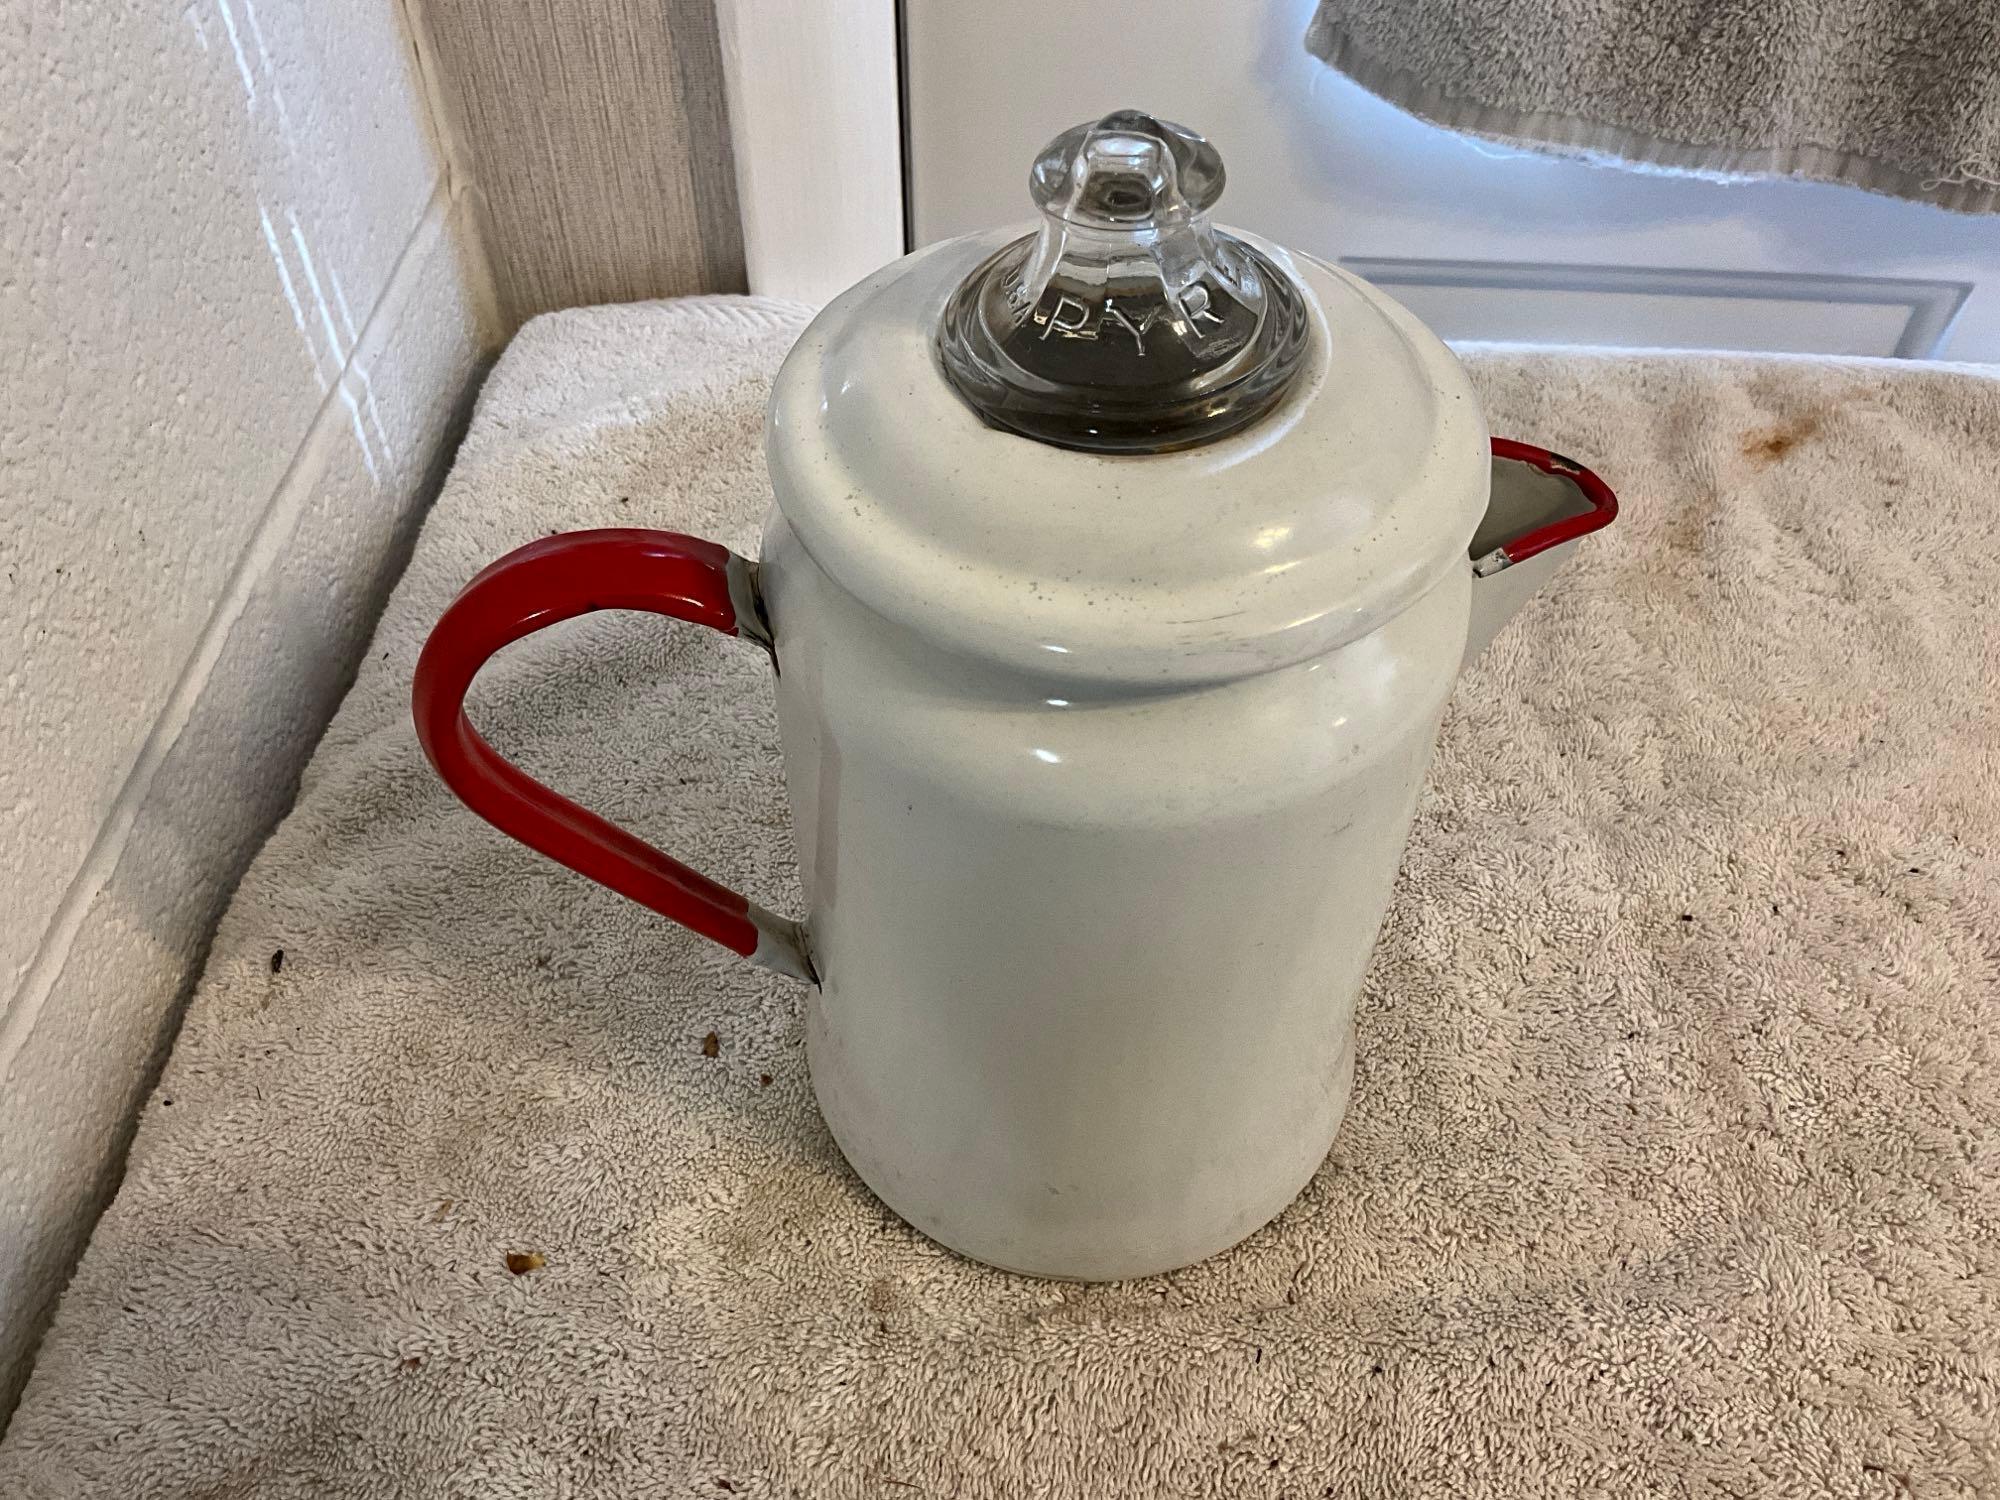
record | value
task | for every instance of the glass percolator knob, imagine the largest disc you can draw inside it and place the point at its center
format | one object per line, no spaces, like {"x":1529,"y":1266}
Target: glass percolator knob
{"x":1127,"y":323}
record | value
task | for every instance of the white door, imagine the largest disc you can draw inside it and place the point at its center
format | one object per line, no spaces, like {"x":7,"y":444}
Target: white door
{"x":1481,"y":242}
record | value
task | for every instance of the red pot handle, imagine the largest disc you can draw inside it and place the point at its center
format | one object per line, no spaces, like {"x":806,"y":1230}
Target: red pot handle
{"x":559,"y":578}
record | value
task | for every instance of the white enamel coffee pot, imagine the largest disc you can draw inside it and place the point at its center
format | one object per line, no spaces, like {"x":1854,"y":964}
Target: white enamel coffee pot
{"x":1117,"y":579}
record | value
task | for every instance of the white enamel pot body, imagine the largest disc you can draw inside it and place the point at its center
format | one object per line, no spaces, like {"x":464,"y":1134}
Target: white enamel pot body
{"x":1089,"y":956}
{"x":1100,"y":765}
{"x":1095,"y":857}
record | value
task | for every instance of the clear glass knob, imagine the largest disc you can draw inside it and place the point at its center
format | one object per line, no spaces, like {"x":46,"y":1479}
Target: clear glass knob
{"x":1127,"y":323}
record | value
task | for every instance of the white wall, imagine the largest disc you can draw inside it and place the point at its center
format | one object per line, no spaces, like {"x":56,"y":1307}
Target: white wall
{"x":238,"y":319}
{"x":1318,"y":163}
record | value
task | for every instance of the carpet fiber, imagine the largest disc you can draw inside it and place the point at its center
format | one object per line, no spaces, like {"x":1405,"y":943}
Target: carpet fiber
{"x":1673,"y":1164}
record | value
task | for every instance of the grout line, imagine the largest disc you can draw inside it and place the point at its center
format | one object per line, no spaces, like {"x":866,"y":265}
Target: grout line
{"x":267,"y":542}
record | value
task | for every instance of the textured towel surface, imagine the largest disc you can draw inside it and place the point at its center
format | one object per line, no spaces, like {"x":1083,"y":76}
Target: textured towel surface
{"x":1672,"y":1162}
{"x":1901,"y":96}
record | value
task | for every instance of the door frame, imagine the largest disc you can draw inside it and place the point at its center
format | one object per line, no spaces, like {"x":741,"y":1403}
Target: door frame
{"x":816,"y":126}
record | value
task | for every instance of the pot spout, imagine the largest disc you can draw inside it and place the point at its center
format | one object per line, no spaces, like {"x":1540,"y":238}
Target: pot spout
{"x":1541,"y":507}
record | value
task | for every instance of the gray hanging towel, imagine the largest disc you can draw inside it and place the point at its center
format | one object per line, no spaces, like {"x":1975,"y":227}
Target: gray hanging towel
{"x":1899,"y":96}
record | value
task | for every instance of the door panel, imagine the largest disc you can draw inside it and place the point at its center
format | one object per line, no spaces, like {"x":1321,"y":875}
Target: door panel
{"x":1488,"y":241}
{"x":1670,"y":309}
